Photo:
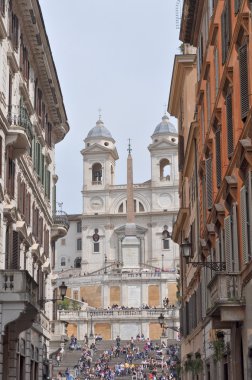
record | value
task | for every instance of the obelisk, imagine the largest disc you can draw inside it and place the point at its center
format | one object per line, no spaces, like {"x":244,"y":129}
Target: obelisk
{"x":130,"y":243}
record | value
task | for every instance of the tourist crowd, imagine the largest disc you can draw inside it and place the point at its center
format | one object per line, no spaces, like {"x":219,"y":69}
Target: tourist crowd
{"x":145,"y":361}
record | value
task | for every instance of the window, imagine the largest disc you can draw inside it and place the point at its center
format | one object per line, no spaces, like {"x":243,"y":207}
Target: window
{"x":218,"y":156}
{"x":63,"y":261}
{"x":96,"y":247}
{"x":79,"y":244}
{"x":97,"y":173}
{"x":165,"y":169}
{"x":237,"y":4}
{"x":14,"y":27}
{"x":63,"y":241}
{"x":141,"y":207}
{"x":208,"y":98}
{"x":216,"y":69}
{"x":229,"y":120}
{"x":78,"y":226}
{"x":166,"y":244}
{"x":2,"y":7}
{"x":231,"y":241}
{"x":181,"y":153}
{"x":246,"y":218}
{"x":1,"y":155}
{"x":120,"y":209}
{"x":77,"y":262}
{"x":244,"y":86}
{"x":225,"y":31}
{"x":209,"y":183}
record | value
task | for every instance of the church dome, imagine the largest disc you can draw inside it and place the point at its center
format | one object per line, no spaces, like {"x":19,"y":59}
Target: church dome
{"x":165,"y":126}
{"x":99,"y":131}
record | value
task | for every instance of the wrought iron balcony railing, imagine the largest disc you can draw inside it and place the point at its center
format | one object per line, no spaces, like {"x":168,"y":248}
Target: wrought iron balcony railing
{"x":19,"y":117}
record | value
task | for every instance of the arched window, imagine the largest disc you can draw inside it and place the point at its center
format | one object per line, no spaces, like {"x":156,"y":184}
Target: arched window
{"x":141,"y":207}
{"x":77,"y":262}
{"x":166,"y":238}
{"x":63,"y":261}
{"x":165,"y":169}
{"x":97,"y":173}
{"x":120,"y":209}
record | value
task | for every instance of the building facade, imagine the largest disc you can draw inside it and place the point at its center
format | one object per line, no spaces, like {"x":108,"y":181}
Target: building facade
{"x":32,"y":121}
{"x":215,"y":176}
{"x":127,"y":255}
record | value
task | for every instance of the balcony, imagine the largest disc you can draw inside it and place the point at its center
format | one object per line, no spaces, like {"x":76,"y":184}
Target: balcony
{"x":226,"y":303}
{"x":20,"y":130}
{"x":60,"y":225}
{"x":116,"y":315}
{"x":19,"y":298}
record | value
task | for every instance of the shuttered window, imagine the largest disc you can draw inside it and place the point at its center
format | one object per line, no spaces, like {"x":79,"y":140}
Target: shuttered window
{"x":202,"y":119}
{"x":209,"y":183}
{"x":246,"y":218}
{"x":15,"y":251}
{"x":244,"y":87}
{"x":229,"y":118}
{"x":244,"y":224}
{"x":216,"y":69}
{"x":237,"y":4}
{"x":235,"y":239}
{"x":218,"y":156}
{"x":208,"y":96}
{"x":217,"y":249}
{"x":228,"y":243}
{"x":225,"y":31}
{"x":1,"y":155}
{"x":181,"y":152}
{"x":231,"y":241}
{"x":2,"y":7}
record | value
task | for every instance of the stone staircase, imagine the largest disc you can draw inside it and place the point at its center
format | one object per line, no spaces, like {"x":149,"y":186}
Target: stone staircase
{"x":70,"y":358}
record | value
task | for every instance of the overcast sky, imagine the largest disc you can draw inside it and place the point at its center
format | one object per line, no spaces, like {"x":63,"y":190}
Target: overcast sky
{"x":117,"y":55}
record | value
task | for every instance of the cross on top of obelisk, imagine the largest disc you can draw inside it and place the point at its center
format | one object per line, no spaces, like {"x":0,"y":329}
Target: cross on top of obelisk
{"x":129,"y":147}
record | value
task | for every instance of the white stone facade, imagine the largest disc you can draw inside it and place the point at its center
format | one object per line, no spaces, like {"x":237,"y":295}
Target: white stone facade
{"x":151,"y":258}
{"x":32,"y":121}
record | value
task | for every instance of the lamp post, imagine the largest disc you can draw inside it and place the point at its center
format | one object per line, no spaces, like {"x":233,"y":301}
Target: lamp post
{"x":161,"y":319}
{"x":91,"y":335}
{"x":62,"y":289}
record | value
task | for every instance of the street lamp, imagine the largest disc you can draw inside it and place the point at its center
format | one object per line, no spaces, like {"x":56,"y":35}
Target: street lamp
{"x":62,"y":289}
{"x":91,"y":335}
{"x":217,"y":266}
{"x":161,"y":319}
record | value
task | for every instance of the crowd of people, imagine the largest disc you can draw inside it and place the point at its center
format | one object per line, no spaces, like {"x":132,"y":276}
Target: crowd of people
{"x":144,"y":361}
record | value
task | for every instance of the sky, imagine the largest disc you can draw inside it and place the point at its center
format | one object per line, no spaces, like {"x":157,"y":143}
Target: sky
{"x":116,"y":55}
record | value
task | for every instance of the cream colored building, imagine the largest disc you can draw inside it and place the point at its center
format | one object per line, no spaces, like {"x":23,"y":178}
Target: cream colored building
{"x":128,"y":261}
{"x":32,"y":121}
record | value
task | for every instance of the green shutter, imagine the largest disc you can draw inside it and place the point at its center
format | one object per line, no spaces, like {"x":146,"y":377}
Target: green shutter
{"x":228,"y":243}
{"x":218,"y":156}
{"x":209,"y":183}
{"x":229,"y":117}
{"x":217,"y":249}
{"x":244,"y":224}
{"x":223,"y":36}
{"x":244,"y":86}
{"x":43,"y":170}
{"x":237,"y":6}
{"x":235,"y":257}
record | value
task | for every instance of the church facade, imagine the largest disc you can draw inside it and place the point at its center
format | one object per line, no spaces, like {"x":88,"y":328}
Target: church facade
{"x":118,"y":257}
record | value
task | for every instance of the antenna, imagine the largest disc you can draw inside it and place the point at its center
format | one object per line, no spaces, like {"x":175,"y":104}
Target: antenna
{"x":178,"y":13}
